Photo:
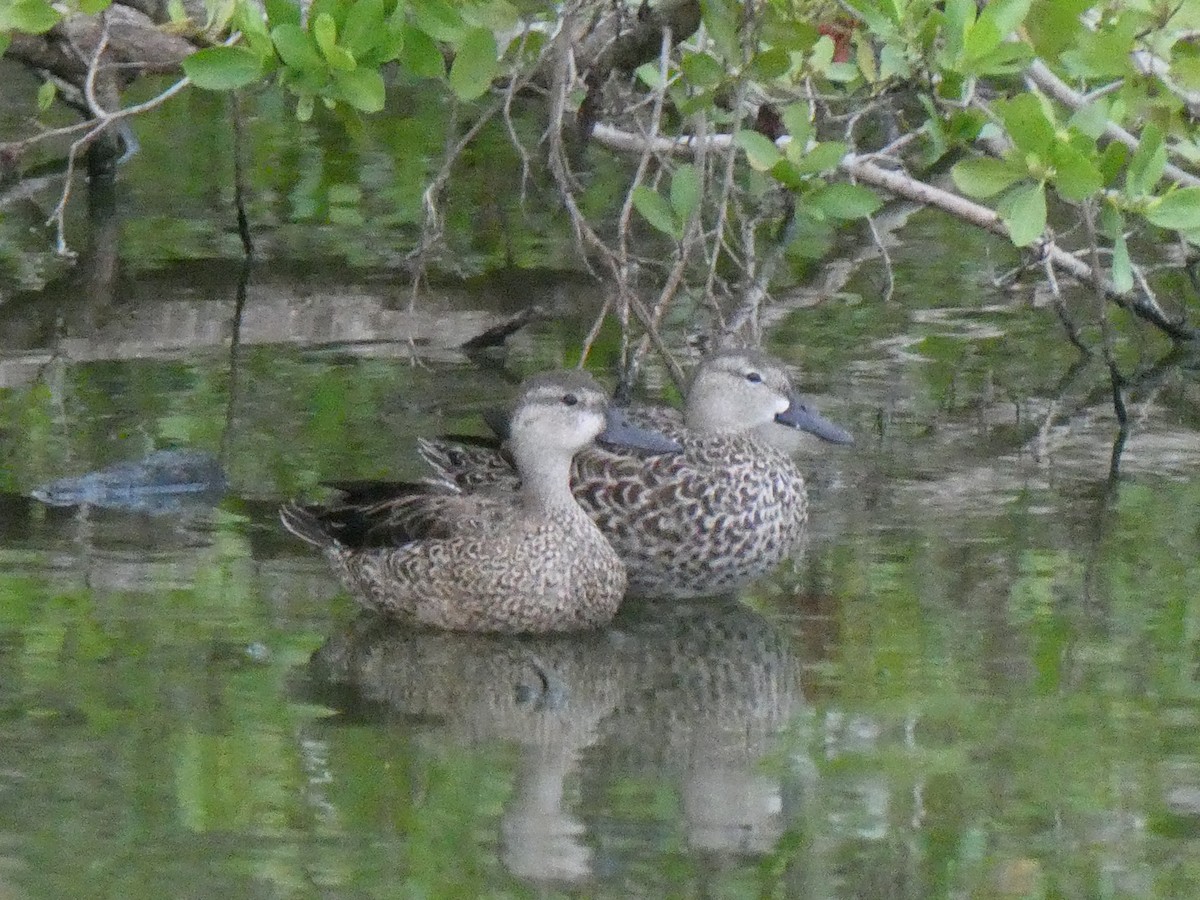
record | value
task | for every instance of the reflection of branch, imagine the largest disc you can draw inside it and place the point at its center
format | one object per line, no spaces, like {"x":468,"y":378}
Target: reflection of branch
{"x":97,"y":126}
{"x":431,"y":227}
{"x":94,"y":128}
{"x":903,"y":185}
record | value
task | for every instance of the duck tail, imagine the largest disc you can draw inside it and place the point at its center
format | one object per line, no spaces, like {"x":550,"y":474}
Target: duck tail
{"x":304,"y":524}
{"x":440,"y":456}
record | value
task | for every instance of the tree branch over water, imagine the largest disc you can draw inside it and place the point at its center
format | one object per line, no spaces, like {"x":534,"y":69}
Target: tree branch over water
{"x":758,"y":128}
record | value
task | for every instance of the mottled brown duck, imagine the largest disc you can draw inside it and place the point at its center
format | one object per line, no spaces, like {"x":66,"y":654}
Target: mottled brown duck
{"x":707,"y":521}
{"x":491,"y":561}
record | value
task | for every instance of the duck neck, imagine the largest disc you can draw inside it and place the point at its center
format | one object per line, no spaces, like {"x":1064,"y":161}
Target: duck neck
{"x":698,"y":422}
{"x":546,"y":483}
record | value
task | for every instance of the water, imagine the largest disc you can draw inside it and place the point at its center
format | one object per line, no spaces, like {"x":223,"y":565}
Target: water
{"x":981,"y":679}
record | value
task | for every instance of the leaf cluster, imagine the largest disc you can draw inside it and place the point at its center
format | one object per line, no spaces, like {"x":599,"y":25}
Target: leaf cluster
{"x":336,"y":54}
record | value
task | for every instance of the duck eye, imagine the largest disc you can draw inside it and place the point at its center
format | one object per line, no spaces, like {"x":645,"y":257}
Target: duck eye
{"x":569,"y":400}
{"x":754,"y":378}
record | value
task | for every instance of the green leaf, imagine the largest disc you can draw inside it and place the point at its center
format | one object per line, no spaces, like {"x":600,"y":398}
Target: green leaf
{"x":1090,"y":119}
{"x":998,"y":19}
{"x":439,"y":20}
{"x":1146,"y":166}
{"x":656,"y":210}
{"x":1029,"y":122}
{"x":1122,"y":267}
{"x":32,"y":16}
{"x":702,"y":69}
{"x":880,"y":17}
{"x":959,"y":19}
{"x":797,"y":119}
{"x":721,"y":19}
{"x":363,"y":89}
{"x":297,"y":49}
{"x":1054,"y":26}
{"x":685,"y":191}
{"x":650,"y":74}
{"x":845,"y":201}
{"x":760,"y":149}
{"x":46,"y":94}
{"x":5,"y":40}
{"x":340,"y":58}
{"x":304,"y":107}
{"x":420,"y":55}
{"x":820,"y":158}
{"x":788,"y":174}
{"x":821,"y":57}
{"x":770,"y":64}
{"x":248,"y":19}
{"x":475,"y":64}
{"x":1075,"y":176}
{"x":1010,"y":57}
{"x":282,"y":12}
{"x":1178,"y":210}
{"x":984,"y":176}
{"x":779,"y":29}
{"x":1112,"y":221}
{"x":494,"y":15}
{"x":94,"y":7}
{"x":324,"y":31}
{"x":220,"y":13}
{"x":223,"y":68}
{"x":1103,"y":53}
{"x":1112,"y":162}
{"x":1023,"y":210}
{"x":364,"y":27}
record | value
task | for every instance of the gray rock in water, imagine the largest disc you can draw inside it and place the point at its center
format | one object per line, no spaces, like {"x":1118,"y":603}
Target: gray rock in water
{"x":165,"y":481}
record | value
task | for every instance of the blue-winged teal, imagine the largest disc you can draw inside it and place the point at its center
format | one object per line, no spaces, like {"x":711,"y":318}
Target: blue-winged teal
{"x":706,"y":521}
{"x":530,"y":561}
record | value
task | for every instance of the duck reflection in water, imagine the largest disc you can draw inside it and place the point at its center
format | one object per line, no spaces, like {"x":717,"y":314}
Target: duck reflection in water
{"x":696,"y":694}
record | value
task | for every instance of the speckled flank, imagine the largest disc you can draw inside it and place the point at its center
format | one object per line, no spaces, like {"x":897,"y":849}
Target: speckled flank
{"x":724,"y":512}
{"x":501,"y":561}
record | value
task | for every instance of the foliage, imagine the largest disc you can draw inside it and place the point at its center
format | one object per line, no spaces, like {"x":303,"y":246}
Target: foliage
{"x":1052,"y":112}
{"x":337,"y":53}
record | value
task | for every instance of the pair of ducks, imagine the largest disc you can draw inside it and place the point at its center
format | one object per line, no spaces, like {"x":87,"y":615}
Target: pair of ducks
{"x":549,"y":531}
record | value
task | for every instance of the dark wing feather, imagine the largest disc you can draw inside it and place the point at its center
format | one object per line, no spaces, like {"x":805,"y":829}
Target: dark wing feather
{"x":382,"y":515}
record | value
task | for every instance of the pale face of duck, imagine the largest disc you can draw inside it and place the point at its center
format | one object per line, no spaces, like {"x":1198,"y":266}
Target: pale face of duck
{"x":741,"y":390}
{"x":558,"y":414}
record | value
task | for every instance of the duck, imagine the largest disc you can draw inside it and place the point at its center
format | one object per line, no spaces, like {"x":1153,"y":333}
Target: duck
{"x":498,"y":561}
{"x":707,"y":521}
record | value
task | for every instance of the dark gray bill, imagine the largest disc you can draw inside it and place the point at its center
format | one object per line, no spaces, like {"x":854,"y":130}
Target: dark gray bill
{"x":620,"y":432}
{"x":804,"y":417}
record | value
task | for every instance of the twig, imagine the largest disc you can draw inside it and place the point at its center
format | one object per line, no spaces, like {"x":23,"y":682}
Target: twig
{"x":594,"y":332}
{"x":1041,"y":76}
{"x":1060,"y":307}
{"x":92,"y":129}
{"x":890,"y":272}
{"x":903,"y":185}
{"x":239,"y":175}
{"x":431,"y":229}
{"x":89,"y":83}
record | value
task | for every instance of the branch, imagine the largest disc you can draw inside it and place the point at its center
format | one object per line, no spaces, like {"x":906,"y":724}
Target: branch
{"x":903,"y":185}
{"x":1041,"y":76}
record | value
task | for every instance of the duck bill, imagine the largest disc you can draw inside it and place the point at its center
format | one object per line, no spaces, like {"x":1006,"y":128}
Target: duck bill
{"x":620,"y":432}
{"x":803,"y":417}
